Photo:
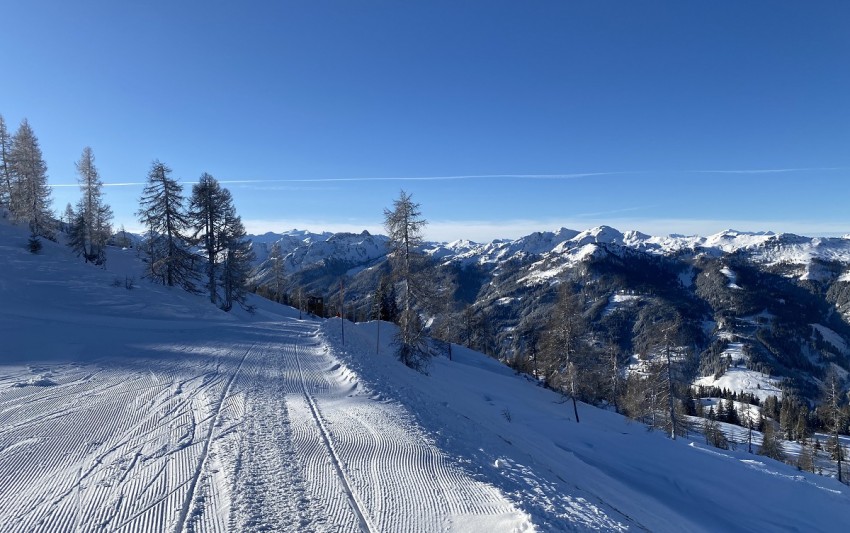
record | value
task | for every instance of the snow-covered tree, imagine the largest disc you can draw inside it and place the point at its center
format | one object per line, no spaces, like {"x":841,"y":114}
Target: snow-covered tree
{"x":404,"y":225}
{"x":161,"y":211}
{"x":30,"y":196}
{"x":91,"y":228}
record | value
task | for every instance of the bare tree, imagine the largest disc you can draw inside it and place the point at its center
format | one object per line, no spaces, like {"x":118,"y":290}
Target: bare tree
{"x":563,"y":342}
{"x":5,"y":164}
{"x":404,"y":225}
{"x":659,"y":338}
{"x":276,"y":268}
{"x":161,"y":211}
{"x":30,"y":196}
{"x":90,"y":228}
{"x":831,"y":393}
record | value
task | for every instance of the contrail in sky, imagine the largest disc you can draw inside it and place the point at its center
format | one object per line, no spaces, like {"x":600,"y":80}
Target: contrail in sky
{"x":356,"y":179}
{"x":567,"y":176}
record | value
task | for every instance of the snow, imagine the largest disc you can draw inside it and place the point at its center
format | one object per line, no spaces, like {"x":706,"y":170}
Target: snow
{"x":150,"y":410}
{"x":616,"y":301}
{"x":832,"y":337}
{"x":741,"y":379}
{"x":731,"y":276}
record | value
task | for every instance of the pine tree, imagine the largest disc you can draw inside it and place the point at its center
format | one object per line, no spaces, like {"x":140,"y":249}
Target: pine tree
{"x":161,"y":211}
{"x":404,"y":225}
{"x":93,"y":213}
{"x":30,"y":196}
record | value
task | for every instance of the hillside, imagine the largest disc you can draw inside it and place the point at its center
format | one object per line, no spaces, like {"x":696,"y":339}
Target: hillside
{"x":148,"y":409}
{"x":784,"y":299}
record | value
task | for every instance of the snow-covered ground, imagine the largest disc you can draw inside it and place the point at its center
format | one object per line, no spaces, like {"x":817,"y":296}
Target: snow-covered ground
{"x":737,"y":378}
{"x":150,"y":410}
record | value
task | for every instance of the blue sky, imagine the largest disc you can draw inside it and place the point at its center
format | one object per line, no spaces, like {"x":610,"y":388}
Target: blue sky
{"x":641,"y":115}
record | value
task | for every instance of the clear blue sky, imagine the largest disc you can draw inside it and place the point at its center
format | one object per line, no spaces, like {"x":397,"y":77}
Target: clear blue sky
{"x":322,"y":106}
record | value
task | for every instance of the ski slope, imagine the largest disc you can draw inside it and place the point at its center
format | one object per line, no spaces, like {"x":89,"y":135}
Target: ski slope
{"x":150,"y":410}
{"x":147,"y":410}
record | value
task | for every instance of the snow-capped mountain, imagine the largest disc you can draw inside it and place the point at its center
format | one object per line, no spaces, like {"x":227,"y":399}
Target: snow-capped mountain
{"x":133,"y":406}
{"x":796,"y":282}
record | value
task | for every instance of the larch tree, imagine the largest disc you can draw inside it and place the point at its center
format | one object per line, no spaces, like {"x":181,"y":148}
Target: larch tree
{"x":659,"y":339}
{"x":90,"y":228}
{"x":207,"y":207}
{"x":218,"y":230}
{"x":238,"y":257}
{"x":831,"y":393}
{"x":5,"y":164}
{"x":170,"y":261}
{"x":29,"y":195}
{"x":276,"y":267}
{"x":562,"y":344}
{"x":404,"y":225}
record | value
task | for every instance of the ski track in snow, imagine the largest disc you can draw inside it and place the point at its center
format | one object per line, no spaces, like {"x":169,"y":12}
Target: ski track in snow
{"x":265,"y":433}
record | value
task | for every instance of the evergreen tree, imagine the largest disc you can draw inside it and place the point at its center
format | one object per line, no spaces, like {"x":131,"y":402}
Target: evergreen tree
{"x":29,"y":196}
{"x":93,"y":214}
{"x":732,"y":413}
{"x":404,"y":225}
{"x":161,"y":211}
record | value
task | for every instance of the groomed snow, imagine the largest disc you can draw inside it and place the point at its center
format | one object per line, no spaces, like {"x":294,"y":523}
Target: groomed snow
{"x":150,"y":410}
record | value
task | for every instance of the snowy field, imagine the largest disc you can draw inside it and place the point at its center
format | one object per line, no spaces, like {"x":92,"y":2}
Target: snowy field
{"x":150,"y":410}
